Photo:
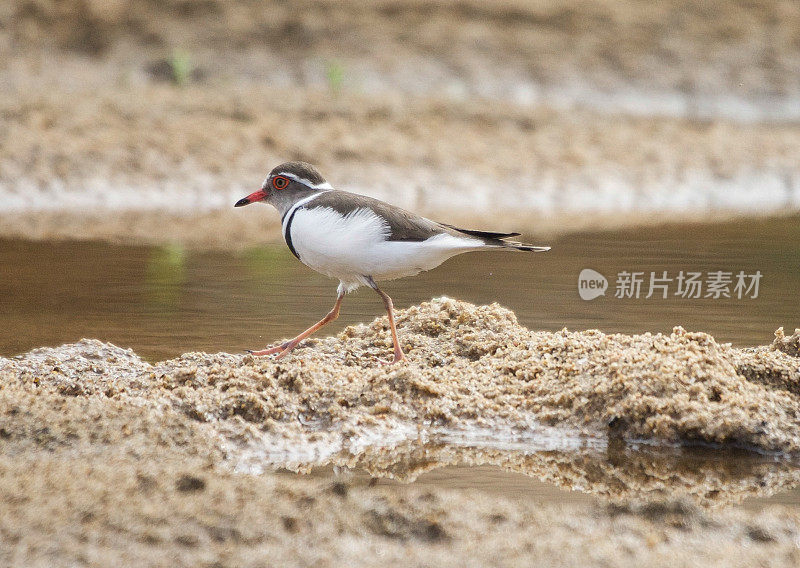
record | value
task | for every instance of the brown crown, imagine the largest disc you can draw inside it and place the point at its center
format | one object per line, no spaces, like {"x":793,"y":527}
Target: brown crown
{"x":302,"y":170}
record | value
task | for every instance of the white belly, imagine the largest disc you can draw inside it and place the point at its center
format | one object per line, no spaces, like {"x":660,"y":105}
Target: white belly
{"x":354,"y":246}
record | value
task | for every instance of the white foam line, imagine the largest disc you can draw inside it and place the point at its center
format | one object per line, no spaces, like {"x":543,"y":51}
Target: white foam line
{"x":750,"y":191}
{"x":103,"y":195}
{"x":537,"y":438}
{"x":270,"y":451}
{"x":509,"y":85}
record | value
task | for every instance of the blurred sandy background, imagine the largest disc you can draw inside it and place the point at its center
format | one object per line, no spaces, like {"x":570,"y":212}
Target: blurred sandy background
{"x":145,"y":120}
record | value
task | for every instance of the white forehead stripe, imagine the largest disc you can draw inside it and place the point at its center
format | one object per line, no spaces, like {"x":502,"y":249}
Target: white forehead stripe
{"x":304,"y":181}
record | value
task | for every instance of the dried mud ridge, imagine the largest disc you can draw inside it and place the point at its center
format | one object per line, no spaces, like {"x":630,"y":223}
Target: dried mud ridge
{"x":559,"y":406}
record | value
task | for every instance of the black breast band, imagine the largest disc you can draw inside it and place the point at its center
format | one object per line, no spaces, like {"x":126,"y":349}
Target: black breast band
{"x":287,"y":234}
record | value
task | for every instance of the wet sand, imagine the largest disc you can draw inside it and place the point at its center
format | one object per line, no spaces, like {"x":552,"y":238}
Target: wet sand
{"x":107,"y":456}
{"x":64,"y":512}
{"x":114,"y":167}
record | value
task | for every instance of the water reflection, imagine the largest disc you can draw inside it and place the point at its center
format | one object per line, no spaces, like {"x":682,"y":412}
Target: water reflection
{"x":617,"y":473}
{"x":165,"y":276}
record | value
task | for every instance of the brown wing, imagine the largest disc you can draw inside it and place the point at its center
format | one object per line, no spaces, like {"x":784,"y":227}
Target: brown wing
{"x":406,"y":226}
{"x":403,"y":225}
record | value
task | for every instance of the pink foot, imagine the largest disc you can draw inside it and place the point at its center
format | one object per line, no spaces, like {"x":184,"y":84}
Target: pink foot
{"x":398,"y":358}
{"x":270,"y":350}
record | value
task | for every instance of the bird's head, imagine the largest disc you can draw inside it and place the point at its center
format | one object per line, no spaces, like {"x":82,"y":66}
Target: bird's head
{"x":286,"y":184}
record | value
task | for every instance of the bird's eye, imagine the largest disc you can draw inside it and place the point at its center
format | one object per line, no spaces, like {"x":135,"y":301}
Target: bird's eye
{"x":280,"y":182}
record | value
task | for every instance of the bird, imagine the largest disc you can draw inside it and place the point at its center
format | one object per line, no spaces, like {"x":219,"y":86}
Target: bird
{"x":360,"y":240}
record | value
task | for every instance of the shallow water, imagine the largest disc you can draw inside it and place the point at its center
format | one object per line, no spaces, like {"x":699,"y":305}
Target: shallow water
{"x":163,"y":301}
{"x":495,"y":480}
{"x":563,"y":468}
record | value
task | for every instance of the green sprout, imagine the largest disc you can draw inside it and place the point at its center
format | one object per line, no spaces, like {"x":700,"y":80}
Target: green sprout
{"x":334,"y":72}
{"x":180,"y":63}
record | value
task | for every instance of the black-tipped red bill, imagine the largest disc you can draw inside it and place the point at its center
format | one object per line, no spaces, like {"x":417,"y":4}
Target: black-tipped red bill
{"x":252,"y":198}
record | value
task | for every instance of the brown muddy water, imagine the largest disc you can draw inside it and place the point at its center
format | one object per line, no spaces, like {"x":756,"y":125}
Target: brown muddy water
{"x":163,"y":301}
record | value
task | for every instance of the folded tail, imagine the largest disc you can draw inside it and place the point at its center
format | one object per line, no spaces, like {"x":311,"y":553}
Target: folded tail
{"x":523,"y":246}
{"x":499,"y":239}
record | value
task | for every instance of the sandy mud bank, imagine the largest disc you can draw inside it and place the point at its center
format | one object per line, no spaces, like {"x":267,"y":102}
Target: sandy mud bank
{"x":473,"y":373}
{"x":59,"y":511}
{"x":65,"y":512}
{"x":107,"y":456}
{"x":160,"y":164}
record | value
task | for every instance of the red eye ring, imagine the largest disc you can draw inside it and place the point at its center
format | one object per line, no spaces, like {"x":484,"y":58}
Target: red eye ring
{"x":280,"y":182}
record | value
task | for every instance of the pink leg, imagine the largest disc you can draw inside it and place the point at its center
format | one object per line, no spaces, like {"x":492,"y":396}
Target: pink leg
{"x":285,"y":348}
{"x":387,"y":301}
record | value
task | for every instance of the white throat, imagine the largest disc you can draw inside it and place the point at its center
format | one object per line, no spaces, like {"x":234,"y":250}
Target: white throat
{"x":288,"y":213}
